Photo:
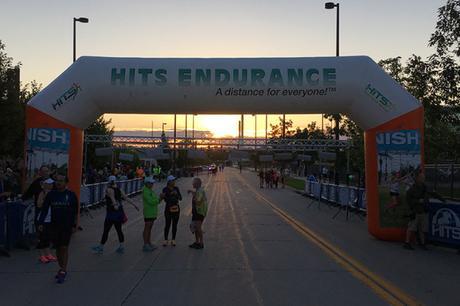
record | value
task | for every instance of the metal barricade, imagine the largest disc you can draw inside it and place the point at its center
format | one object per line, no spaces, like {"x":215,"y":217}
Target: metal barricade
{"x":94,"y":194}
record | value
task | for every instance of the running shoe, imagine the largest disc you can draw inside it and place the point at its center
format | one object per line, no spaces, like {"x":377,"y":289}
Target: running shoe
{"x":407,"y":246}
{"x":51,"y":258}
{"x":153,"y":247}
{"x":194,"y":245}
{"x":120,"y":249}
{"x":60,"y":277}
{"x":165,"y":243}
{"x":423,"y":247}
{"x":43,"y":259}
{"x":147,"y":248}
{"x":173,"y":243}
{"x":200,"y":246}
{"x":97,"y":249}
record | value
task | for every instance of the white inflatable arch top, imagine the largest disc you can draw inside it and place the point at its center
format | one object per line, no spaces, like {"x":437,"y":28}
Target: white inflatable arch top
{"x":353,"y":85}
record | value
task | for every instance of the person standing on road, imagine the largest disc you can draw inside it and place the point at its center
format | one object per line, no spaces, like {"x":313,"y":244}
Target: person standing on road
{"x":64,"y":207}
{"x":268,"y":178}
{"x":417,"y":197}
{"x":172,"y":196}
{"x":115,"y":216}
{"x":261,"y":178}
{"x":275,"y":178}
{"x":199,"y":211}
{"x":150,"y":201}
{"x":45,"y":255}
{"x":35,"y":188}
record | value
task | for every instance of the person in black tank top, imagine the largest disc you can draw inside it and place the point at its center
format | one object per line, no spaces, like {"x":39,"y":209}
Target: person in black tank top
{"x":115,"y":215}
{"x":171,"y":195}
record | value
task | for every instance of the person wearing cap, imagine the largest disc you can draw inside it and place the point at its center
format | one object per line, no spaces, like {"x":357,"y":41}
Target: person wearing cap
{"x":115,"y":216}
{"x":45,"y":255}
{"x":150,"y":201}
{"x":171,"y":195}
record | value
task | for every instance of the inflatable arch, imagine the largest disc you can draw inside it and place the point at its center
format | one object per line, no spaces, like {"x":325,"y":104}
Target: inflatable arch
{"x":355,"y":85}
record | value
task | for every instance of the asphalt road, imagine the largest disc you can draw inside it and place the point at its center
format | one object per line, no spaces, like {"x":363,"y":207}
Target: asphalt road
{"x":260,"y":249}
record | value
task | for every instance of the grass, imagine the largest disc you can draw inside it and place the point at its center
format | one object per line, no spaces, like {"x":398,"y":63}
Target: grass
{"x":295,"y":183}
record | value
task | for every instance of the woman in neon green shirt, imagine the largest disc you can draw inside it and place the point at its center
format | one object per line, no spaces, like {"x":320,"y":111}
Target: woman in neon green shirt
{"x":151,"y":201}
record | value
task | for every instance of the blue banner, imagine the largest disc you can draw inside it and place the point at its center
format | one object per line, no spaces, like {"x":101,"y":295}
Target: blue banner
{"x":445,"y":223}
{"x":49,"y":139}
{"x":399,"y":141}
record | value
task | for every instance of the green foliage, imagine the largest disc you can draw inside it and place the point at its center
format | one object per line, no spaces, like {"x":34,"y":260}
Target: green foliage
{"x":100,"y":126}
{"x":277,"y":129}
{"x":435,"y":83}
{"x":310,"y":132}
{"x":13,"y":99}
{"x":446,"y":36}
{"x":356,"y":135}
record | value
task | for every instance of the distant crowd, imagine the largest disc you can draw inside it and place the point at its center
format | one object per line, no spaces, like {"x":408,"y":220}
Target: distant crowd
{"x":10,"y":177}
{"x":272,"y":178}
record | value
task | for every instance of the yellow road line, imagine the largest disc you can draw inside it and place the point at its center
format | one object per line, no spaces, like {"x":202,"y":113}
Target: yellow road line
{"x":382,"y":287}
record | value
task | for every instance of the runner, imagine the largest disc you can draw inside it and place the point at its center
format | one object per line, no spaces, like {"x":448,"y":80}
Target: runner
{"x":150,"y":200}
{"x":45,"y":255}
{"x":199,"y":210}
{"x":115,"y":215}
{"x":268,"y":179}
{"x":417,"y":198}
{"x":64,"y":208}
{"x":261,"y":178}
{"x":36,"y":187}
{"x":172,"y":196}
{"x":275,"y":178}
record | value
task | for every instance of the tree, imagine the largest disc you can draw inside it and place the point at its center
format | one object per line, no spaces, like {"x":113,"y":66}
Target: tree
{"x":277,"y":129}
{"x":446,"y":37}
{"x":13,"y":100}
{"x":100,"y":126}
{"x":434,"y":83}
{"x":446,"y":83}
{"x":356,"y":135}
{"x":393,"y":67}
{"x":310,"y":132}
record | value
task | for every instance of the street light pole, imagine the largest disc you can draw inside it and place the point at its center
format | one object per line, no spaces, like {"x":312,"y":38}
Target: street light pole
{"x":239,"y":134}
{"x":242,"y":127}
{"x":193,"y":127}
{"x":337,"y":31}
{"x":174,"y":146}
{"x":255,"y":131}
{"x":283,"y":133}
{"x":266,"y":130}
{"x":186,"y":116}
{"x":328,"y":6}
{"x":75,"y":20}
